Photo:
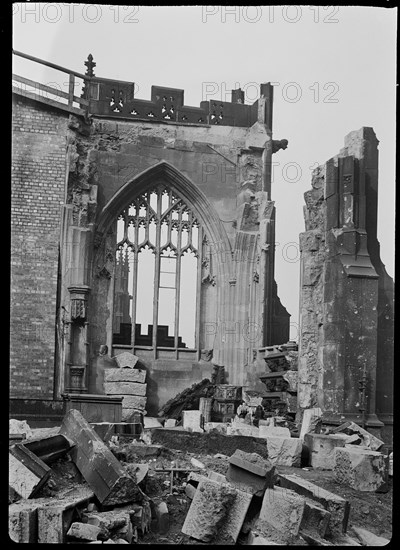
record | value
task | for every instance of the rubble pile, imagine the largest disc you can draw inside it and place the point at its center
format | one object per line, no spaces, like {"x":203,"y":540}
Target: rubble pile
{"x":78,"y":484}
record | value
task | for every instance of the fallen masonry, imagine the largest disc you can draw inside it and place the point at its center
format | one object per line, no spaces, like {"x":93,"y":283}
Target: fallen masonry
{"x":177,"y":485}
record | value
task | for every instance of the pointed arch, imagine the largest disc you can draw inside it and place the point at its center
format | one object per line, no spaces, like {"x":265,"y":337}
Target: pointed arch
{"x":164,"y":172}
{"x":210,"y":271}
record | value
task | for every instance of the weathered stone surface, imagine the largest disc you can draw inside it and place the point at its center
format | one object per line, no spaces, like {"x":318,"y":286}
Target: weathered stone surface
{"x":315,"y":519}
{"x":311,"y":420}
{"x":191,"y":420}
{"x":361,"y":469}
{"x":322,"y":449}
{"x":83,"y":531}
{"x":278,"y":431}
{"x":284,"y":451}
{"x":367,"y":439}
{"x":102,"y":471}
{"x":281,"y":514}
{"x":208,"y":510}
{"x":132,"y":402}
{"x":55,"y":517}
{"x":128,"y":414}
{"x":292,"y":377}
{"x":242,"y":429}
{"x":26,"y":473}
{"x":369,"y":539}
{"x":22,"y":522}
{"x":190,"y":490}
{"x":140,"y":515}
{"x":125,"y":374}
{"x":251,"y":462}
{"x":216,"y":513}
{"x":126,"y":359}
{"x":112,"y":523}
{"x":338,"y":507}
{"x":215,"y":476}
{"x":124,"y":388}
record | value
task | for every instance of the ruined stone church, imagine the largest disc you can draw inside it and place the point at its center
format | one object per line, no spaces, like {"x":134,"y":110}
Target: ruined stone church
{"x":148,"y":227}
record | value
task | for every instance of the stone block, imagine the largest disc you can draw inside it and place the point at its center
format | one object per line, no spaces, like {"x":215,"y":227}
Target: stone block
{"x":55,"y":516}
{"x":133,"y":402}
{"x":128,"y":414}
{"x":338,"y":507}
{"x":242,"y":429}
{"x":101,"y":470}
{"x":22,"y":522}
{"x":361,"y":469}
{"x":125,"y":374}
{"x":315,"y":519}
{"x":151,"y":422}
{"x":170,"y":423}
{"x":281,"y":514}
{"x":322,"y":449}
{"x":190,"y":490}
{"x":253,"y":463}
{"x":284,"y":451}
{"x":126,"y":359}
{"x":112,"y":523}
{"x":216,"y":476}
{"x":124,"y":388}
{"x":27,"y":472}
{"x":311,"y":419}
{"x":216,"y":513}
{"x":367,"y":438}
{"x":83,"y":531}
{"x":192,"y":421}
{"x":266,"y":431}
{"x":140,"y":515}
{"x":369,"y":539}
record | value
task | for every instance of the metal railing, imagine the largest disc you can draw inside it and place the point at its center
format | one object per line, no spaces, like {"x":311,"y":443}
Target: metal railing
{"x":39,"y":88}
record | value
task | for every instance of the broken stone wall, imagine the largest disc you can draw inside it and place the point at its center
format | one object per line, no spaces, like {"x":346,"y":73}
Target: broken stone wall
{"x":346,"y":295}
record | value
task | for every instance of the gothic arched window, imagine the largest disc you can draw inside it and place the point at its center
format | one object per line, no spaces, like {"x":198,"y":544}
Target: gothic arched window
{"x":157,"y":272}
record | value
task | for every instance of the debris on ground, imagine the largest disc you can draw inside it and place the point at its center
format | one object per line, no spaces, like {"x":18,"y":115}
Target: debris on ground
{"x":101,"y":483}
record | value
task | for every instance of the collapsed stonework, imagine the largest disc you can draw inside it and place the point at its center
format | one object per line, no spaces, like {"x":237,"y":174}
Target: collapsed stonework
{"x":346,"y":295}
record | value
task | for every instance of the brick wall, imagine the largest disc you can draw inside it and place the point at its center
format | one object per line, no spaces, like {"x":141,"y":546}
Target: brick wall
{"x":38,"y":176}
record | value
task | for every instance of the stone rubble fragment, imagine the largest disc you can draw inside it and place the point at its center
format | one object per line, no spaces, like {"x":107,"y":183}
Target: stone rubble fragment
{"x":360,"y":469}
{"x":322,"y":447}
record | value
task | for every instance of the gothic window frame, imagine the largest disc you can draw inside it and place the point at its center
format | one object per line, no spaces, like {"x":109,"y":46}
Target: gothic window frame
{"x":176,"y":216}
{"x":213,"y":233}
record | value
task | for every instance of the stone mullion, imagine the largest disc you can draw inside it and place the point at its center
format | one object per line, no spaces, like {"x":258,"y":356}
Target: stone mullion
{"x":198,"y":290}
{"x":156,"y":276}
{"x":134,"y":287}
{"x":178,"y":283}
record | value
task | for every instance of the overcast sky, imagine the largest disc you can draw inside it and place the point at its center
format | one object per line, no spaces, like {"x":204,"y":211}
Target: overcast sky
{"x":333,"y":68}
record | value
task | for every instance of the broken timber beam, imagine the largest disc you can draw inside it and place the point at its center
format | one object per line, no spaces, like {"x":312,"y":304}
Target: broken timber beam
{"x":49,"y":449}
{"x":102,"y":471}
